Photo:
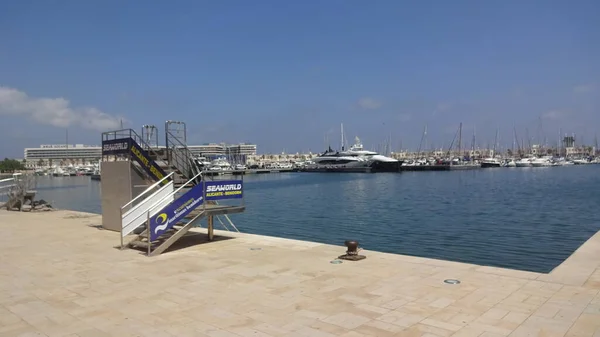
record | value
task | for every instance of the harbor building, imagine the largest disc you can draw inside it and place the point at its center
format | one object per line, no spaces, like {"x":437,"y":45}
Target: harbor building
{"x":208,"y":150}
{"x":242,"y":149}
{"x":80,"y":154}
{"x":62,"y":154}
{"x":222,"y":149}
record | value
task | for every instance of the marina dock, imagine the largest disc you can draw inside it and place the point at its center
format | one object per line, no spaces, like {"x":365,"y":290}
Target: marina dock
{"x":61,"y":275}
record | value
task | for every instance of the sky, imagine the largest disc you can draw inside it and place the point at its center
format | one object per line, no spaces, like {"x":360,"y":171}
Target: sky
{"x":285,"y":74}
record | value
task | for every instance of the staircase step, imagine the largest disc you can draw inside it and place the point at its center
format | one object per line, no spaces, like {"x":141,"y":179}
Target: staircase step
{"x":139,"y":244}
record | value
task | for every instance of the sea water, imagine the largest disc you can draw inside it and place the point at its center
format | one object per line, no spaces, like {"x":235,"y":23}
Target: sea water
{"x":522,"y":218}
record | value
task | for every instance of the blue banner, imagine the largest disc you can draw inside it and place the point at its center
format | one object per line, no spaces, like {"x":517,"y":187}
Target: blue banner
{"x":130,"y":146}
{"x":176,"y":211}
{"x":116,"y":146}
{"x":224,"y":189}
{"x":143,"y":158}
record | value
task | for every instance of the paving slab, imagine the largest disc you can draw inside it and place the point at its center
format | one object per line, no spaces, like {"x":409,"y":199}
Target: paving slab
{"x":62,"y":275}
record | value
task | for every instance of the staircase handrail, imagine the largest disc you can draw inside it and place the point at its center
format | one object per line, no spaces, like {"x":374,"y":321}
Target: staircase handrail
{"x":186,"y":155}
{"x":174,"y":193}
{"x":147,"y":190}
{"x":144,"y":211}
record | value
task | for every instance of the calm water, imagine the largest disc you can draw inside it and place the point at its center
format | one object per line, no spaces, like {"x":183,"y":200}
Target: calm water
{"x":524,"y":218}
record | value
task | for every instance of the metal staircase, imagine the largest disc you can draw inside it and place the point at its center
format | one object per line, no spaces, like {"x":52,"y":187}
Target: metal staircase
{"x":168,"y":217}
{"x":177,"y":195}
{"x":179,"y":156}
{"x":175,"y":231}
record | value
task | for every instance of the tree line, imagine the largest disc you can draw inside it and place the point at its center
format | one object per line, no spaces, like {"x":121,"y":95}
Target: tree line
{"x":11,"y":165}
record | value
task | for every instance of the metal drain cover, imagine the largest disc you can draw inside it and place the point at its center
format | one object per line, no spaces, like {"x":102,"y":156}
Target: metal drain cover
{"x":451,"y":281}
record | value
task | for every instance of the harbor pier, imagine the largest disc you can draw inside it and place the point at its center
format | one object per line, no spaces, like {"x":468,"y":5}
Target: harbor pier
{"x":62,"y":276}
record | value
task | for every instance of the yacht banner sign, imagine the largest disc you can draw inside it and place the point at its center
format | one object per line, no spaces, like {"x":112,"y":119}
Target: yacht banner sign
{"x":116,"y":146}
{"x":176,"y":211}
{"x":224,"y":189}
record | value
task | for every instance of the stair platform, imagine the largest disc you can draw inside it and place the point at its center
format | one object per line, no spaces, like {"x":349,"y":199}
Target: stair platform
{"x":207,"y":210}
{"x":212,"y":209}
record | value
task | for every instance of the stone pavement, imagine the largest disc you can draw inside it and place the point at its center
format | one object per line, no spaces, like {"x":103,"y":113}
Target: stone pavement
{"x":61,"y":276}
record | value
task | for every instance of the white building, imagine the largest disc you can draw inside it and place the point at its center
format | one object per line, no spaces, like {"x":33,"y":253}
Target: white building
{"x":63,"y":154}
{"x":214,"y":149}
{"x":211,"y":149}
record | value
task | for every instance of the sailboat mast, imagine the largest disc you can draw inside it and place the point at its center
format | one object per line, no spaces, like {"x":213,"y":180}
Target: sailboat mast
{"x":473,"y":145}
{"x":558,"y":144}
{"x":516,"y":140}
{"x":528,"y":139}
{"x":460,"y":140}
{"x":495,"y":142}
{"x":426,"y":147}
{"x":423,"y":135}
{"x":342,"y":134}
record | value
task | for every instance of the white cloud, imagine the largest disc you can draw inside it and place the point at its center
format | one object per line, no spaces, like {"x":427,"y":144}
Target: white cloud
{"x":55,"y":111}
{"x":584,"y":89}
{"x":368,"y":103}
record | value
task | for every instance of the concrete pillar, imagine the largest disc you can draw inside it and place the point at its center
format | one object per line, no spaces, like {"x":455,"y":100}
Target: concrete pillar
{"x":119,"y":185}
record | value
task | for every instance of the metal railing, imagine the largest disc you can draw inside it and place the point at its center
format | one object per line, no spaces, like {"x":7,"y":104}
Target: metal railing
{"x":7,"y":187}
{"x":180,"y":157}
{"x":146,"y":191}
{"x":16,"y":188}
{"x":229,"y":221}
{"x":135,"y":217}
{"x":130,"y":133}
{"x":174,"y":193}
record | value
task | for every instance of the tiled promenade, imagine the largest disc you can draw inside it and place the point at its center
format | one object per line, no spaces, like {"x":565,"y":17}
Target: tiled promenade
{"x":61,"y":276}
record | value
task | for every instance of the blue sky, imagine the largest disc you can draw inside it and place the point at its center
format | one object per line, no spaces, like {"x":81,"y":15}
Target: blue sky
{"x":285,"y":74}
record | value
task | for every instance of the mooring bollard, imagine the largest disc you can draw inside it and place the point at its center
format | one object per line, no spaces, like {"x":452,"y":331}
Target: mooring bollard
{"x":352,"y":251}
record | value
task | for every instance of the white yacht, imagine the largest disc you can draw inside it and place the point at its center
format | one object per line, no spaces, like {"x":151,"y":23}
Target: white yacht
{"x":240,"y":167}
{"x":202,"y":162}
{"x":58,"y":172}
{"x":581,"y":161}
{"x":340,"y":159}
{"x":523,"y":162}
{"x":220,"y":164}
{"x":541,"y":162}
{"x":378,"y":162}
{"x":491,"y":162}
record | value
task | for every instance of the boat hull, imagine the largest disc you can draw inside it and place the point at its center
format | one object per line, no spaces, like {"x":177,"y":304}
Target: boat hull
{"x":489,"y":165}
{"x":523,"y":164}
{"x":381,"y":166}
{"x":464,"y":167}
{"x":541,"y":164}
{"x":337,"y":169}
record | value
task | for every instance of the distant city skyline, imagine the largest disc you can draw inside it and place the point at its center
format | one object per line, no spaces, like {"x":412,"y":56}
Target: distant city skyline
{"x":285,"y":75}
